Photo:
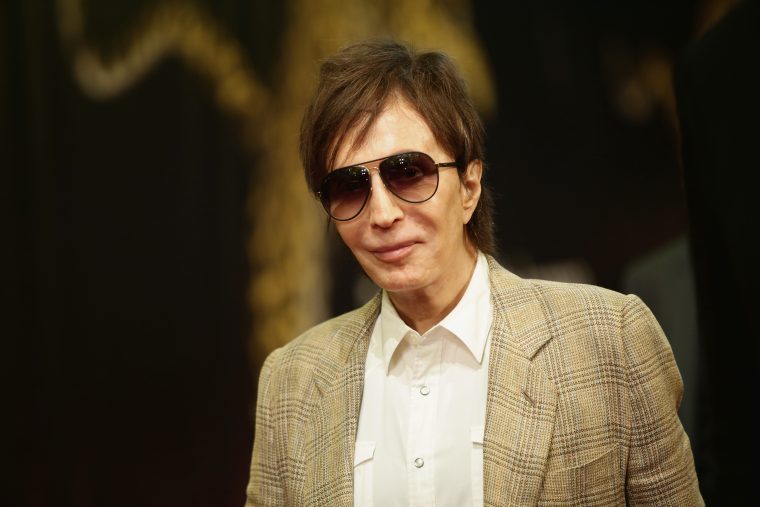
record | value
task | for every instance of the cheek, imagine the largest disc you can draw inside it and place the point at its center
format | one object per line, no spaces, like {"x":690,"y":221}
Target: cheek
{"x":449,"y":223}
{"x":348,"y":234}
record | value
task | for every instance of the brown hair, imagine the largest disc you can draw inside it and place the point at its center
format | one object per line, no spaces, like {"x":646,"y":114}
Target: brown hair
{"x":355,"y":85}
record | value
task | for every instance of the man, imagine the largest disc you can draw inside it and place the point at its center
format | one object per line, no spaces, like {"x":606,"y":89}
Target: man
{"x":460,"y":383}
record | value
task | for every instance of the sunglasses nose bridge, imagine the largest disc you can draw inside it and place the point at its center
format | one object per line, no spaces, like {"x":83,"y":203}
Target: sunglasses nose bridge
{"x":376,"y":170}
{"x":381,"y":203}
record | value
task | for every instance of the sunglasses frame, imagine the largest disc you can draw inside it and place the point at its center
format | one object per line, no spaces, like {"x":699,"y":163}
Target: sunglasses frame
{"x":364,"y":170}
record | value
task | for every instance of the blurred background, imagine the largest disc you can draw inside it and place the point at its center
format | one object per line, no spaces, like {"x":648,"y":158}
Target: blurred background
{"x":159,"y":240}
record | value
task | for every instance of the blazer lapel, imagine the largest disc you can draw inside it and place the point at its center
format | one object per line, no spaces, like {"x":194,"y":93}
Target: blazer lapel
{"x":331,"y":428}
{"x":521,"y":401}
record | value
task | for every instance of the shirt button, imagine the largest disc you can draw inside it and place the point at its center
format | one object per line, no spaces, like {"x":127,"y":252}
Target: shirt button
{"x":419,"y":462}
{"x":424,"y":390}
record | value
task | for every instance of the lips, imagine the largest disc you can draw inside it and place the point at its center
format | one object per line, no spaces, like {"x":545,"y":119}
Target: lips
{"x":392,"y":253}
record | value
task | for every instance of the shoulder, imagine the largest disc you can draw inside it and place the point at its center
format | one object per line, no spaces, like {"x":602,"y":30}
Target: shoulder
{"x":557,"y":302}
{"x":572,"y":301}
{"x":331,"y":341}
{"x":581,"y":321}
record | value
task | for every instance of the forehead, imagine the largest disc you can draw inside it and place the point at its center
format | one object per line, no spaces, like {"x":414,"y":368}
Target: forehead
{"x":398,"y":128}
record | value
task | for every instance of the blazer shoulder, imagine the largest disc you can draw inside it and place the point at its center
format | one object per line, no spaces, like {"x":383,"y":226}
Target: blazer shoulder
{"x":513,"y":291}
{"x":545,"y":314}
{"x":554,"y":299}
{"x":568,"y":297}
{"x":330,"y":341}
{"x":567,"y":300}
{"x":595,"y":326}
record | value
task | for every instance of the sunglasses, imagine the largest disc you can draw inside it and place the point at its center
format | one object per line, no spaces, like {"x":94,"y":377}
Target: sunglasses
{"x":412,"y":177}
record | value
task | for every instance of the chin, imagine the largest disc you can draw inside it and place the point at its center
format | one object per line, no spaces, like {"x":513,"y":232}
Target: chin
{"x":409,"y":274}
{"x":396,"y":282}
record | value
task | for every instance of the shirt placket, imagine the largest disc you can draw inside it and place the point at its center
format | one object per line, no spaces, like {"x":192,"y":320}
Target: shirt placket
{"x":423,"y":405}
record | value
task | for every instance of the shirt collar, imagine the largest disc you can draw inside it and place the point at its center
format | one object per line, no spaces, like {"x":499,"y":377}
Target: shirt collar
{"x":469,"y":321}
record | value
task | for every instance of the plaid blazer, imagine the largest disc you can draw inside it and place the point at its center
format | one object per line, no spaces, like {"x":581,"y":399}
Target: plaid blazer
{"x":581,"y":408}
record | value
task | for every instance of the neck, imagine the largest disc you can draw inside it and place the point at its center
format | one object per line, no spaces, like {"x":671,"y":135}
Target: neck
{"x":424,"y":308}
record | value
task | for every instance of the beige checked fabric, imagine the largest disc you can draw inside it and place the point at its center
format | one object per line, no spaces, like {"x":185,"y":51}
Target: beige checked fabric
{"x":581,"y":409}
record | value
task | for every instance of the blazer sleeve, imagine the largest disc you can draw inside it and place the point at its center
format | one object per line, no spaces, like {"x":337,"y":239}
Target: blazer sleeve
{"x":660,"y":463}
{"x":265,"y":484}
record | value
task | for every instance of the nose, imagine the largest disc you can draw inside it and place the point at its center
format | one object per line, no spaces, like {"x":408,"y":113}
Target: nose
{"x":384,"y":210}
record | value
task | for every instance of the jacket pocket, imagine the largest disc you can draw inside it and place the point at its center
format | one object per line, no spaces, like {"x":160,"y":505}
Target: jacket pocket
{"x":597,"y":482}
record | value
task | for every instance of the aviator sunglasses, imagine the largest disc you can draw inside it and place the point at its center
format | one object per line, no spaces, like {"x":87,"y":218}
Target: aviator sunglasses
{"x":412,"y":177}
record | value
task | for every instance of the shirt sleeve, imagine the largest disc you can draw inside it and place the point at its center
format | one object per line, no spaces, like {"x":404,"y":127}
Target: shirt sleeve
{"x":660,"y":466}
{"x":265,"y":484}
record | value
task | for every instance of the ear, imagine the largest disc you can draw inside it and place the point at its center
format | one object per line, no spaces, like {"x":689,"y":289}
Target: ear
{"x":470,"y":188}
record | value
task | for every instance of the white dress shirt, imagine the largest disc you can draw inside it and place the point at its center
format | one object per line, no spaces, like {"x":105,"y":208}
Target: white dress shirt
{"x":420,"y":434}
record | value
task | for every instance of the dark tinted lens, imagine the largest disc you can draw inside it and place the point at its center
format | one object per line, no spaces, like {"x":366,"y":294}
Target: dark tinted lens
{"x":411,"y":176}
{"x":345,"y":191}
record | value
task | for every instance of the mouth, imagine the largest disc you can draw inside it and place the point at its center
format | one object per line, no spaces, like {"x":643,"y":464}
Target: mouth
{"x":393,"y":253}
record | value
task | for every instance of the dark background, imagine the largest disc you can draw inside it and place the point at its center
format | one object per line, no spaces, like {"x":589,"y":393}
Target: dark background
{"x":126,"y":325}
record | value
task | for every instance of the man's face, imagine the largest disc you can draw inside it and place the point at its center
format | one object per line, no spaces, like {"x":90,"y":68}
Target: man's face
{"x":404,"y":246}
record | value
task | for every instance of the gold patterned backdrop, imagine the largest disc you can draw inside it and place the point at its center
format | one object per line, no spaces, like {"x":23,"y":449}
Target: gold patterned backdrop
{"x":287,"y":247}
